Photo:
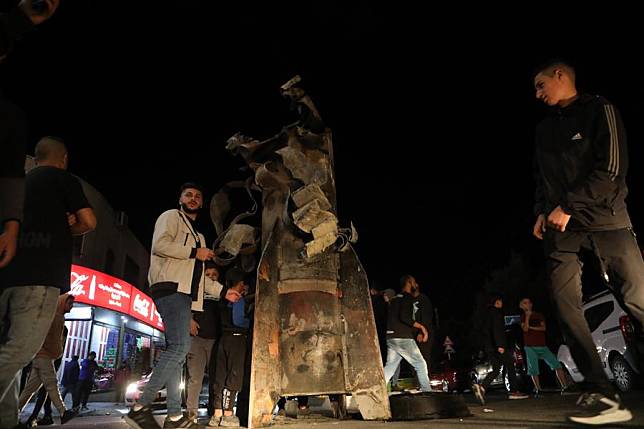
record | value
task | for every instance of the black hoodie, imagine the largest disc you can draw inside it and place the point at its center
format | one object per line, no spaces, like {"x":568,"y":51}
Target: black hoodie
{"x":581,"y":163}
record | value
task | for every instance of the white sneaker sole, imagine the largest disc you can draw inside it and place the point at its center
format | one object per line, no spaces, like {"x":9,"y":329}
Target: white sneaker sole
{"x":618,"y":416}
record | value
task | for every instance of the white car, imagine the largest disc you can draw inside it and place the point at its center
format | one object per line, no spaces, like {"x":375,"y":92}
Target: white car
{"x":134,"y":391}
{"x":613,"y":334}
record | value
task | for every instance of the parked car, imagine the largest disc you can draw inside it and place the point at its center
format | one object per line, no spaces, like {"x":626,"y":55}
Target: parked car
{"x":103,"y":379}
{"x":614,"y":335}
{"x":135,"y":389}
{"x":448,"y":377}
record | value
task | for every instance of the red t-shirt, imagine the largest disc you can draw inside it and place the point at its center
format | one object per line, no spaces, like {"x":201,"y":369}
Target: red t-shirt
{"x":534,"y":338}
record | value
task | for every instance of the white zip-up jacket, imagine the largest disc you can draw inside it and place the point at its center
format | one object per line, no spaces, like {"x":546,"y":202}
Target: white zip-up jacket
{"x":173,"y":256}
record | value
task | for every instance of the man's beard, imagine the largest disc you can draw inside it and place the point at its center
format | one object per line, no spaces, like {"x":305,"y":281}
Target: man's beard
{"x":188,"y":210}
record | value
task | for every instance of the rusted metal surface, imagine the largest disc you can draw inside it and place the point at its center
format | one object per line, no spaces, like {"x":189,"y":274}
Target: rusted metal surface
{"x":314,"y":331}
{"x":306,"y":194}
{"x":364,"y":379}
{"x":266,"y":372}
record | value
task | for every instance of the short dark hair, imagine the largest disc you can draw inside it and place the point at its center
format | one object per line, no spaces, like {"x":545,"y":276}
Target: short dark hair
{"x":75,"y":357}
{"x":404,"y":279}
{"x":92,"y":354}
{"x":493,"y":297}
{"x":234,"y":276}
{"x":191,"y":185}
{"x":548,"y":68}
{"x":212,"y":264}
{"x":49,"y":148}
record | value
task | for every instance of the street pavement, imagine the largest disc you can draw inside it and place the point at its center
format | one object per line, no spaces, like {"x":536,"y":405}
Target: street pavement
{"x":546,"y":411}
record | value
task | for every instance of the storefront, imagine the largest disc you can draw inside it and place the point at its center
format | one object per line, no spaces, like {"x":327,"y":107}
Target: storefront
{"x":114,"y":319}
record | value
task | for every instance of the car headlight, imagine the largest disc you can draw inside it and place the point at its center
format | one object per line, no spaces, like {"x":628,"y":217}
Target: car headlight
{"x":131,"y":388}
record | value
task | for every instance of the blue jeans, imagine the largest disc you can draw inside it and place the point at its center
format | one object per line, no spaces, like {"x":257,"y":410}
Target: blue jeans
{"x":26,"y":313}
{"x":406,"y":348}
{"x":176,"y":314}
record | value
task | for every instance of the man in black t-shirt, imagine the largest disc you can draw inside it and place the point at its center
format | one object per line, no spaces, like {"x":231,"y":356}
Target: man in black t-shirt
{"x":55,"y":209}
{"x":401,"y":335}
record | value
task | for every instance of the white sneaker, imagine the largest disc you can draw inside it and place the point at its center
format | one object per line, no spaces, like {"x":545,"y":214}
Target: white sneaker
{"x":598,"y":409}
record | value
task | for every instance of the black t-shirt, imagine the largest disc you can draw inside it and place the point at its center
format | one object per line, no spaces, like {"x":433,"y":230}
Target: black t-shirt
{"x":423,"y":310}
{"x":44,"y":254}
{"x":400,"y":320}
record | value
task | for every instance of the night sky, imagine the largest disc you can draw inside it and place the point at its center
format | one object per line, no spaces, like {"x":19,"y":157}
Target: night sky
{"x":433,"y":112}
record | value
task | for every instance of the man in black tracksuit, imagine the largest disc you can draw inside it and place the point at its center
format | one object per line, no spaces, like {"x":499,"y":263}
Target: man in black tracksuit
{"x":581,"y":160}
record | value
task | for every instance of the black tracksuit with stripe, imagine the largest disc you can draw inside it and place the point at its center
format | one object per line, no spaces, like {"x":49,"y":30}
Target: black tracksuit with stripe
{"x":582,"y":159}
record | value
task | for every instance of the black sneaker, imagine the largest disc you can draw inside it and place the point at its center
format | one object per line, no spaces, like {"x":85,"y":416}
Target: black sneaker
{"x":479,"y":392}
{"x":599,"y":409}
{"x":67,"y":416}
{"x":141,"y":419}
{"x":45,"y":421}
{"x":183,"y":422}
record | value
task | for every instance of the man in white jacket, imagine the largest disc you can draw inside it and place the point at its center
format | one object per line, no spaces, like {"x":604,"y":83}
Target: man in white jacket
{"x":177,"y":285}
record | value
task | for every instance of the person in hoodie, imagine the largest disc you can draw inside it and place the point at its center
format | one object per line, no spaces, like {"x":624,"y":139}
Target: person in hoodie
{"x":42,"y":367}
{"x":582,"y":161}
{"x":231,"y":352}
{"x":496,"y":347}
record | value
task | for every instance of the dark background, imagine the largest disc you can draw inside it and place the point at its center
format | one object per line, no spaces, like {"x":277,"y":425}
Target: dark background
{"x":432,"y":111}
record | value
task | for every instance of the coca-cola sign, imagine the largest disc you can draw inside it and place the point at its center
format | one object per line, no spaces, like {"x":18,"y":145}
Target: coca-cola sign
{"x":143,"y":308}
{"x":99,"y":289}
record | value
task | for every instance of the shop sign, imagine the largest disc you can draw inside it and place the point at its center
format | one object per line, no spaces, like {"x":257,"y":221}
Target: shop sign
{"x":101,"y":290}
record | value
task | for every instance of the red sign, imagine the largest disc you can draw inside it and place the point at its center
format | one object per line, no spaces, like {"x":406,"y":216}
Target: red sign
{"x":101,"y":290}
{"x":142,"y":307}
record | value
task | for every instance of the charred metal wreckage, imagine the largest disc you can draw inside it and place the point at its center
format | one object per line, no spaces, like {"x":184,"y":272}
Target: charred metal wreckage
{"x":314,"y":331}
